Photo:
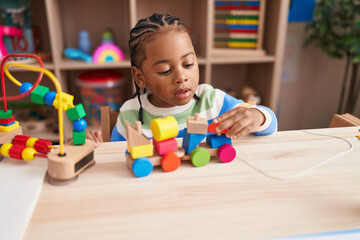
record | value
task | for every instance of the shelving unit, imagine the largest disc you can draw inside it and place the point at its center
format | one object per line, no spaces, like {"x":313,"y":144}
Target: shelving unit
{"x":61,"y":20}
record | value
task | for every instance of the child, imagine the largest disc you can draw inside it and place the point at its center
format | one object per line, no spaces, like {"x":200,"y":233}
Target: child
{"x":164,"y":66}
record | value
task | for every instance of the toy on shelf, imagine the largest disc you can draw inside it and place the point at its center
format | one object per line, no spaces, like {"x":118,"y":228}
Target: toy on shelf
{"x":7,"y":31}
{"x":238,"y":25}
{"x":84,"y":43}
{"x":16,"y":12}
{"x":108,"y":52}
{"x":70,"y":159}
{"x":141,"y":157}
{"x":74,"y":53}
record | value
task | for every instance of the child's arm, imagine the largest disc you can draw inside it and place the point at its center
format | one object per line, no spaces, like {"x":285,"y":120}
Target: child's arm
{"x":241,"y":121}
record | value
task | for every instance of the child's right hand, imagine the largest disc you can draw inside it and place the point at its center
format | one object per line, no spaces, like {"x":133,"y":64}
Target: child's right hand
{"x":95,"y":136}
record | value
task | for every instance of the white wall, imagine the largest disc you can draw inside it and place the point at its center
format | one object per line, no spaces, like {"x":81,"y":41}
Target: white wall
{"x":310,"y":95}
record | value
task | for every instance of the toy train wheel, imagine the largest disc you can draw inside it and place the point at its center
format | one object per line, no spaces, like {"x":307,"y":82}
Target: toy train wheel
{"x":200,"y":157}
{"x":170,"y":162}
{"x":226,"y":153}
{"x":142,"y":167}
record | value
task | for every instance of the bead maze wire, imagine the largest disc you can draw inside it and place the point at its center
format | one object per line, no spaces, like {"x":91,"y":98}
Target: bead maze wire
{"x":42,"y":71}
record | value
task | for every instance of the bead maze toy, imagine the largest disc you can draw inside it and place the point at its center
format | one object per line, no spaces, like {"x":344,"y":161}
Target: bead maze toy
{"x":68,"y":160}
{"x":164,"y":151}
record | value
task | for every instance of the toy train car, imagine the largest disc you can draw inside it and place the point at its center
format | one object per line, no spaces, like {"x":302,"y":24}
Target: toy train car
{"x":142,"y":154}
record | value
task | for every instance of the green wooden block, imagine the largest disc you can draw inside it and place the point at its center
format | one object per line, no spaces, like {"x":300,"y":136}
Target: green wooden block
{"x":79,"y":138}
{"x":200,"y":157}
{"x":76,"y":113}
{"x":38,"y":94}
{"x":4,"y":114}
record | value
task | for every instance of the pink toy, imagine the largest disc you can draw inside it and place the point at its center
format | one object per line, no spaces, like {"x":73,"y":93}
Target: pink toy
{"x":226,"y":153}
{"x":108,"y":52}
{"x":7,"y":31}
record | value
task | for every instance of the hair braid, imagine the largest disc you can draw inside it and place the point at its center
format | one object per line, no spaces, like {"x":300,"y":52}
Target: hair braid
{"x":142,"y":33}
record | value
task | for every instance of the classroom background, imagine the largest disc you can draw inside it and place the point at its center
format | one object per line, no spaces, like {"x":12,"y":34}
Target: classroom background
{"x":252,"y":49}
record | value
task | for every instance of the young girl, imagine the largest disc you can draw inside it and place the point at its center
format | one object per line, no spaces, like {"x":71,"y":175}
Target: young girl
{"x":164,"y":67}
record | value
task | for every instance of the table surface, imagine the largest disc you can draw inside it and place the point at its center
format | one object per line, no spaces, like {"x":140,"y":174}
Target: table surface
{"x":217,"y":201}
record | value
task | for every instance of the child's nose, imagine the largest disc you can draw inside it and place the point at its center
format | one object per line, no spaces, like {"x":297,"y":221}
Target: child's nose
{"x":180,"y":77}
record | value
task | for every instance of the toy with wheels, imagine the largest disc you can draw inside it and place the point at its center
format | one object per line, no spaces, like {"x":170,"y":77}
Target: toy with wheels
{"x":142,"y":155}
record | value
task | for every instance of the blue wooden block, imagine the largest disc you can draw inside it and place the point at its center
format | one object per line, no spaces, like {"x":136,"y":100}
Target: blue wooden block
{"x":216,"y":141}
{"x":191,"y":140}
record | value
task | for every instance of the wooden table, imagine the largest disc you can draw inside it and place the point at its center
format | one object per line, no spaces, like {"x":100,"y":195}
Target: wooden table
{"x":217,"y":201}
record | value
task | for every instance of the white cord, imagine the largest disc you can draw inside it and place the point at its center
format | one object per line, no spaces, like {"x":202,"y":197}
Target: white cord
{"x":248,"y":162}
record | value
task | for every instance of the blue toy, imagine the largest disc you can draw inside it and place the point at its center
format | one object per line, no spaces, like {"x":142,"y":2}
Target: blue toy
{"x":74,"y":53}
{"x":84,"y":42}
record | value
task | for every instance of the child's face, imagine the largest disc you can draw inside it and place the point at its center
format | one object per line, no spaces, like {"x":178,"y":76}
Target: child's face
{"x":170,"y":69}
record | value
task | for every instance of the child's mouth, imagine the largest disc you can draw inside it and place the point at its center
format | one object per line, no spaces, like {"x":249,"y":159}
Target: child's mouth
{"x":183,"y":93}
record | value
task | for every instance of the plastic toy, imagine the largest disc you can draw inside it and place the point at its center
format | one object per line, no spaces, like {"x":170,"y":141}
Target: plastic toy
{"x":74,"y":53}
{"x":108,"y":52}
{"x":65,"y":162}
{"x":84,"y":43}
{"x":7,"y":31}
{"x":167,"y":153}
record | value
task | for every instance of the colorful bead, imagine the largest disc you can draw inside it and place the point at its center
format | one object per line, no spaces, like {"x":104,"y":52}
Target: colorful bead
{"x":50,"y":97}
{"x":79,"y":125}
{"x":31,"y":142}
{"x":26,"y":86}
{"x":5,"y":149}
{"x":28,"y":154}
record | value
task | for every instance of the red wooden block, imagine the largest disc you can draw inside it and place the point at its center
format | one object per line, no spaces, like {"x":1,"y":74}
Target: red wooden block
{"x":170,"y":162}
{"x":168,"y":145}
{"x":212,"y":126}
{"x":42,"y":145}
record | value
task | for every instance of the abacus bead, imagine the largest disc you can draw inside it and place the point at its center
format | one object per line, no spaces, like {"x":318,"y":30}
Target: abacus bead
{"x":79,"y":125}
{"x":31,"y":142}
{"x":28,"y":154}
{"x":5,"y":149}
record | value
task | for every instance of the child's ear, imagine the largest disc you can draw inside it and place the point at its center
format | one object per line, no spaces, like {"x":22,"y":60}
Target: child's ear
{"x":139,"y":77}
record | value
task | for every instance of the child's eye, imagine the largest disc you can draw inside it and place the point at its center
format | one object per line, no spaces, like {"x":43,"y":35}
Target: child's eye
{"x":165,"y":72}
{"x":188,"y":65}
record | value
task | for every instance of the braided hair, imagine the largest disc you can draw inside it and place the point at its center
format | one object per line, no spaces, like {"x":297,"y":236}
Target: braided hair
{"x":143,"y":33}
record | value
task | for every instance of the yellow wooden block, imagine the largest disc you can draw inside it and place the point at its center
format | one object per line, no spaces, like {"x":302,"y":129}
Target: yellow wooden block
{"x":141,"y":151}
{"x":164,"y":128}
{"x":9,"y":128}
{"x":66,"y":100}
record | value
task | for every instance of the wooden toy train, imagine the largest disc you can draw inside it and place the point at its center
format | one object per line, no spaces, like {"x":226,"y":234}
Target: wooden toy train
{"x":142,"y":155}
{"x":65,"y":162}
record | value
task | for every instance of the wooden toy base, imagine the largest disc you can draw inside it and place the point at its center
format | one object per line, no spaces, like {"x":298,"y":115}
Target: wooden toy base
{"x":77,"y":159}
{"x":58,"y":182}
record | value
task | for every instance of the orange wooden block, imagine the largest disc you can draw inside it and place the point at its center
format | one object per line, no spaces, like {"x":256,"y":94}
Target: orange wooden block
{"x":196,"y":124}
{"x":212,"y":126}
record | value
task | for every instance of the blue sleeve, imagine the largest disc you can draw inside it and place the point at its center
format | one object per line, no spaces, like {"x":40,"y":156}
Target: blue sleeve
{"x":273,"y":124}
{"x":116,"y":136}
{"x":229,"y":103}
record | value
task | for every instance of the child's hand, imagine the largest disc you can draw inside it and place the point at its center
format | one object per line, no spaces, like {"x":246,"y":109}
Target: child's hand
{"x":95,"y":136}
{"x":239,"y":121}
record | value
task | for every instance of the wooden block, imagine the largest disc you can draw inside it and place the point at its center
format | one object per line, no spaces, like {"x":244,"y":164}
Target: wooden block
{"x":342,"y":121}
{"x":78,"y":157}
{"x":10,"y":128}
{"x":169,"y":145}
{"x":141,"y":151}
{"x":135,"y":137}
{"x":226,"y":153}
{"x":216,"y":141}
{"x":196,"y":124}
{"x":164,"y":128}
{"x":191,"y":140}
{"x":156,"y":158}
{"x":212,"y":126}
